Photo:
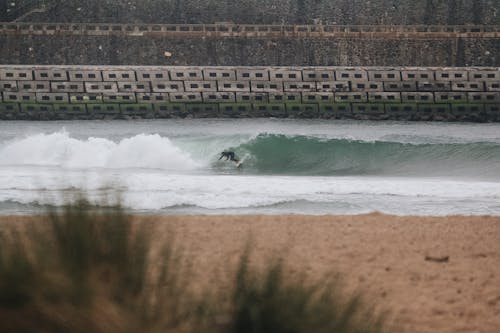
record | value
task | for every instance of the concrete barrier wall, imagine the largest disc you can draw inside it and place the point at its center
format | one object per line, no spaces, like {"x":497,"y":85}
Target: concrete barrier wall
{"x":127,"y":50}
{"x":90,"y":92}
{"x":256,"y":11}
{"x":251,"y":30}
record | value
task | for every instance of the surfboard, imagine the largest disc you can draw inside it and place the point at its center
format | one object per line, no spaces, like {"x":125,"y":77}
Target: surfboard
{"x":240,"y":162}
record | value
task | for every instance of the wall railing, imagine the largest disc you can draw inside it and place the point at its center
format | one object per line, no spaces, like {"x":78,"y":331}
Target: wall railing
{"x":258,"y":31}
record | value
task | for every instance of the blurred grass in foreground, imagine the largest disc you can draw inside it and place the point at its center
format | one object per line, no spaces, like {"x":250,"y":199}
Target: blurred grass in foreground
{"x":87,"y":269}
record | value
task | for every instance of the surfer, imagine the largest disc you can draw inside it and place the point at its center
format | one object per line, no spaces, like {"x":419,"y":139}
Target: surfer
{"x":229,"y":155}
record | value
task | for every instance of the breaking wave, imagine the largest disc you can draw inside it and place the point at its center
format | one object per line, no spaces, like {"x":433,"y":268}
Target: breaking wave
{"x":304,"y":155}
{"x":59,"y":149}
{"x":262,"y":154}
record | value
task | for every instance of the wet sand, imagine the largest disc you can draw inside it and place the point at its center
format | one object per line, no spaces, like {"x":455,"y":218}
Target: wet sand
{"x":429,"y":274}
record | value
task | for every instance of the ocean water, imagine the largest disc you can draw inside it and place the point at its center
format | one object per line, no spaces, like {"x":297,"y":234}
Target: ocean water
{"x":290,"y":166}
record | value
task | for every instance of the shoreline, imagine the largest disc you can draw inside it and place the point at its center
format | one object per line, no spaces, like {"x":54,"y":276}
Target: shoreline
{"x":429,"y":274}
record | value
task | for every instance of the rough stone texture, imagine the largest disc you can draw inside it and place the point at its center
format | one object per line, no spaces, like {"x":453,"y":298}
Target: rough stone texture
{"x":261,"y":11}
{"x":378,"y":93}
{"x":115,"y":50}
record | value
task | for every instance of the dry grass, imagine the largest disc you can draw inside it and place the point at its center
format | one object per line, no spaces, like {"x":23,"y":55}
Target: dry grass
{"x":87,"y":269}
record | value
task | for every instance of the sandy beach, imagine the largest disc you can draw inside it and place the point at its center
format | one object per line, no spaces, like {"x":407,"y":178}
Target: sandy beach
{"x":428,"y":274}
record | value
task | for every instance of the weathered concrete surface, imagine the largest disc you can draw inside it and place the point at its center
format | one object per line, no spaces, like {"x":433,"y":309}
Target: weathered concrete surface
{"x":378,"y":93}
{"x":238,"y":30}
{"x":261,"y":11}
{"x":115,"y":50}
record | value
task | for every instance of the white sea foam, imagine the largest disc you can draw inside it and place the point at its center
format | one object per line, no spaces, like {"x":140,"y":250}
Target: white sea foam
{"x":178,"y":168}
{"x":152,"y":191}
{"x":59,"y":149}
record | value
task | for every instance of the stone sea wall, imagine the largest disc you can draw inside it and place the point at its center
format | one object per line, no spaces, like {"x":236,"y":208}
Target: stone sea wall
{"x":399,"y":12}
{"x":230,"y":51}
{"x":118,"y":92}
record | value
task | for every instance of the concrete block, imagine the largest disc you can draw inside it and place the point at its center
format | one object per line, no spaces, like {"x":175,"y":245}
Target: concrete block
{"x":144,"y":98}
{"x":252,"y":74}
{"x":36,"y":108}
{"x":152,"y":74}
{"x":302,"y":110}
{"x":450,"y":97}
{"x":484,"y":97}
{"x":200,"y":86}
{"x":218,"y":97}
{"x":135,"y":87}
{"x":281,"y":74}
{"x":270,"y":110}
{"x":8,"y":108}
{"x":11,"y":74}
{"x":417,"y":97}
{"x":186,"y":97}
{"x":85,"y":75}
{"x":235,"y":109}
{"x":8,"y":86}
{"x":118,"y":75}
{"x":318,"y":97}
{"x":119,"y":98}
{"x":484,"y":75}
{"x":401,"y":109}
{"x":351,"y":97}
{"x":168,"y":86}
{"x":242,"y":97}
{"x":493,"y":86}
{"x":467,"y":108}
{"x":353,"y":75}
{"x":329,"y":111}
{"x":101,"y":87}
{"x":203,"y":110}
{"x":70,"y":109}
{"x":384,"y":97}
{"x":33,"y":86}
{"x":468,"y":86}
{"x":236,"y":86}
{"x":367,"y":108}
{"x":79,"y":98}
{"x":434,"y":86}
{"x":314,"y":75}
{"x":285,"y":97}
{"x":215,"y":74}
{"x":52,"y":97}
{"x":331,"y":86}
{"x":420,"y":75}
{"x":265,"y":86}
{"x":379,"y":75}
{"x":103,"y":109}
{"x":66,"y":86}
{"x":169,"y":110}
{"x":434,"y":108}
{"x":186,"y":74}
{"x":367,"y":86}
{"x":299,"y":86}
{"x":492,"y":108}
{"x":19,"y":97}
{"x":136,"y":109}
{"x":452,"y":75}
{"x":52,"y":74}
{"x":400,"y":86}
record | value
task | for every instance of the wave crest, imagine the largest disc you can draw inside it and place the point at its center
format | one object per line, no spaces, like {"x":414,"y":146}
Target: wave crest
{"x":59,"y":149}
{"x":281,"y":154}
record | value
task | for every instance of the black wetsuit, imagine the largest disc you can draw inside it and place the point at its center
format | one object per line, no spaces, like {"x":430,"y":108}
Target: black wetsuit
{"x":229,"y":155}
